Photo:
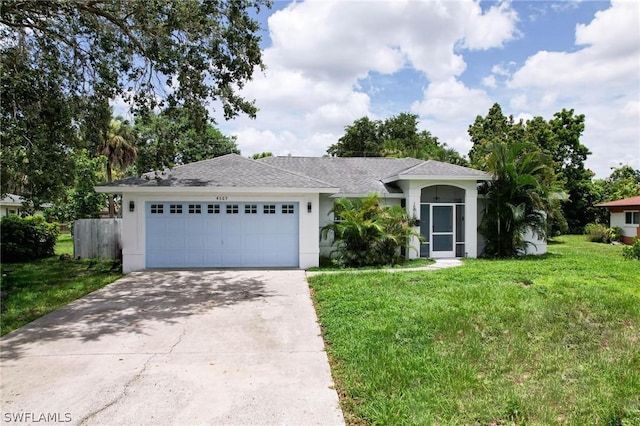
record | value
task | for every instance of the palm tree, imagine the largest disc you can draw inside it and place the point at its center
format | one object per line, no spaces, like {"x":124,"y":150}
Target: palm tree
{"x":521,"y":196}
{"x":120,"y":149}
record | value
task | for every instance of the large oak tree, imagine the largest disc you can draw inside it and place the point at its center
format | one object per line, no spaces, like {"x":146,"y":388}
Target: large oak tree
{"x":60,"y":58}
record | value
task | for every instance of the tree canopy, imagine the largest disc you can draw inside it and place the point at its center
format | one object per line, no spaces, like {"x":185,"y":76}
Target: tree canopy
{"x":62,"y":61}
{"x":168,"y":139}
{"x":397,"y":136}
{"x":183,"y":52}
{"x":557,"y":138}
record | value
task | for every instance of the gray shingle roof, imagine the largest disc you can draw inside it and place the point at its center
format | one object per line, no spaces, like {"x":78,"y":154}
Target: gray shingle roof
{"x":353,"y":175}
{"x":230,"y":170}
{"x":438,"y":168}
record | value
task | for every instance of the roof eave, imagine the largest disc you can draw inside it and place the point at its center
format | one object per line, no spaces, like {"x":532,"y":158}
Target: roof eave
{"x":399,"y":195}
{"x":607,"y":205}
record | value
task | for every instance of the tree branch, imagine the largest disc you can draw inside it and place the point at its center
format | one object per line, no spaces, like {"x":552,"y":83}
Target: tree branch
{"x":88,"y":7}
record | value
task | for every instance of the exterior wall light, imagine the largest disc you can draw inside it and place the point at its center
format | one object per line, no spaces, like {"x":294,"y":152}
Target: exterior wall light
{"x":309,"y":207}
{"x":132,"y":206}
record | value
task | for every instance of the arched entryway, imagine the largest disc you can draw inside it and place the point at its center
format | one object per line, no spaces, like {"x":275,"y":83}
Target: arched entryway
{"x":442,"y":221}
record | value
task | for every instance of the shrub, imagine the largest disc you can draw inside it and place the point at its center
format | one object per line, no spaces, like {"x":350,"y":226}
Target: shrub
{"x":597,"y":233}
{"x":615,"y":233}
{"x":367,"y":233}
{"x":633,"y":251}
{"x":27,"y":238}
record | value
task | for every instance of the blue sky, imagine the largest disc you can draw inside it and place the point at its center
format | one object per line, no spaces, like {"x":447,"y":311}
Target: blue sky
{"x":332,"y":62}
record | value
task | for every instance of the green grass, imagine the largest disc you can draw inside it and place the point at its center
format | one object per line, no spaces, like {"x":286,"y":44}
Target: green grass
{"x":33,"y":289}
{"x":536,"y":341}
{"x":413,"y":263}
{"x":64,"y":245}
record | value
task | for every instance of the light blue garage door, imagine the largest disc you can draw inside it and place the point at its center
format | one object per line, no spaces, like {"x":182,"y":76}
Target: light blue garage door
{"x":214,"y":234}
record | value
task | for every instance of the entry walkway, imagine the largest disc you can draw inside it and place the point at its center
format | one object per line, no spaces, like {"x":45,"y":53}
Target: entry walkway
{"x":439,"y":264}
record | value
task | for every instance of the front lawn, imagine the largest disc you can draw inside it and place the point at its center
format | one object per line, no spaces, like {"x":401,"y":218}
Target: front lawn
{"x":33,"y":289}
{"x":549,"y":340}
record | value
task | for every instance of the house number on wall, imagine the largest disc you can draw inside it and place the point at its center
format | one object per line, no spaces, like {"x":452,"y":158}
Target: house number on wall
{"x":221,"y":198}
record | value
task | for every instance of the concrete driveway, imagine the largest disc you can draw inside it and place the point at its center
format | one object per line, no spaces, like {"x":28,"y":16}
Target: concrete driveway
{"x":180,"y":347}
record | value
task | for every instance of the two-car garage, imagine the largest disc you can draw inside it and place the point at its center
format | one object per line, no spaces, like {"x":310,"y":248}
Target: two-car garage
{"x":186,"y":234}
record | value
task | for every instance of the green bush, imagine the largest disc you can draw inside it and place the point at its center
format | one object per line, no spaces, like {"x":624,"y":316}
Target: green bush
{"x":615,"y":233}
{"x":633,"y":251}
{"x":27,"y":238}
{"x":368,"y":233}
{"x":597,"y":233}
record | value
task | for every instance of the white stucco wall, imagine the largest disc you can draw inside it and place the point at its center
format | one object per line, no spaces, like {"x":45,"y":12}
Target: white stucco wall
{"x":413,"y":191}
{"x":133,"y":223}
{"x":535,"y":245}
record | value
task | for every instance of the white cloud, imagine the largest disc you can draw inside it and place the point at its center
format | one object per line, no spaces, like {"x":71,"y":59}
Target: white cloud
{"x":490,"y":81}
{"x":447,"y":110}
{"x":321,"y":50}
{"x":601,"y":80}
{"x":492,"y":28}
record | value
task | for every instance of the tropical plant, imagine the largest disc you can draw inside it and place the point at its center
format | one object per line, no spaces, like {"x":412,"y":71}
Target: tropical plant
{"x":119,"y":147}
{"x":520,"y":198}
{"x":368,"y":233}
{"x":559,"y":140}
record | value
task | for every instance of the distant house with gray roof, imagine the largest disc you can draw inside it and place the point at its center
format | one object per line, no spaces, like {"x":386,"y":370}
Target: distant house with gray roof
{"x":12,"y":204}
{"x":233,"y":211}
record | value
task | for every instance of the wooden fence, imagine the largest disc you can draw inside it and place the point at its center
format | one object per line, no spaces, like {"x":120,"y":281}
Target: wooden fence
{"x":97,"y":238}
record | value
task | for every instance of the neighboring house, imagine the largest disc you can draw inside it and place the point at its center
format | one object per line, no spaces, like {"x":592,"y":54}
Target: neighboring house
{"x":232,"y":211}
{"x":12,"y":204}
{"x":625,"y":213}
